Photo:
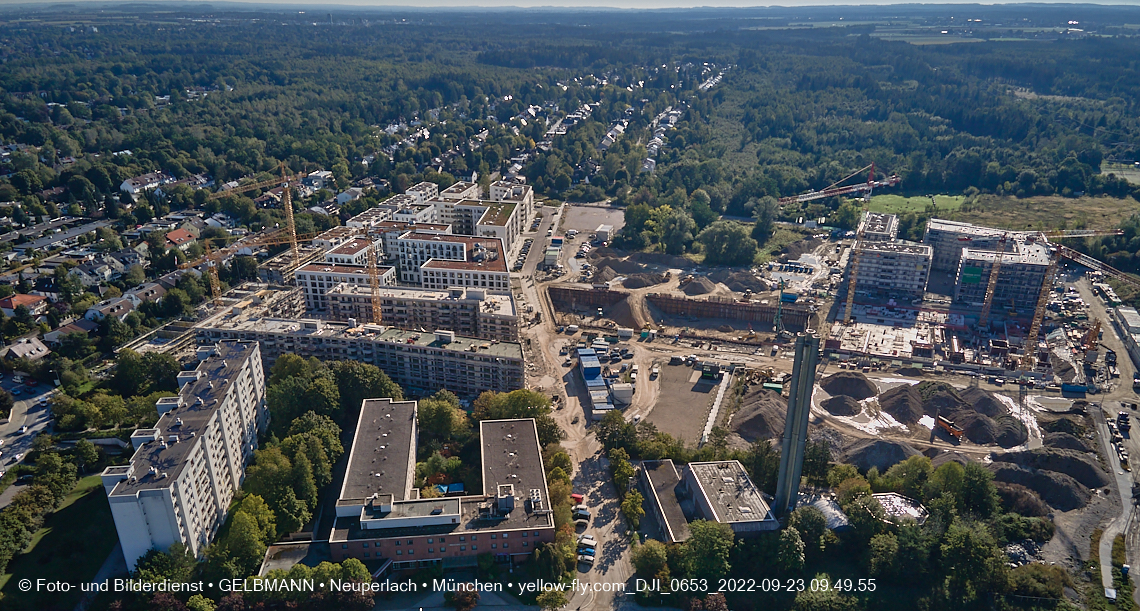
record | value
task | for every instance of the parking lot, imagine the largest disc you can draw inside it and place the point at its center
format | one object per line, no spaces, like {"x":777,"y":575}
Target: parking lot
{"x":683,"y":402}
{"x":587,"y":218}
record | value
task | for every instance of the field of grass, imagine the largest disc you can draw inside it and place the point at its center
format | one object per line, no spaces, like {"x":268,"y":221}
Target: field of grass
{"x":71,"y":546}
{"x":898,"y":204}
{"x":1048,"y":212}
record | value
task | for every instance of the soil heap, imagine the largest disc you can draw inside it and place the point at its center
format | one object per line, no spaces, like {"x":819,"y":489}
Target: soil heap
{"x":850,"y":383}
{"x":640,"y":281}
{"x":842,"y":405}
{"x":903,"y":403}
{"x":1065,"y":441}
{"x":985,"y":419}
{"x":699,"y":286}
{"x":761,"y":415}
{"x":879,"y":453}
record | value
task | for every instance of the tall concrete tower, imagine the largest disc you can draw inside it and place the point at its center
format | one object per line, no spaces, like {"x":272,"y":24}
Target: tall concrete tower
{"x":796,"y":426}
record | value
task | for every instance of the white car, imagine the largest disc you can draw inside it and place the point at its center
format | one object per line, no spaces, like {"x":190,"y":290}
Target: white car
{"x":587,"y":541}
{"x":23,"y":429}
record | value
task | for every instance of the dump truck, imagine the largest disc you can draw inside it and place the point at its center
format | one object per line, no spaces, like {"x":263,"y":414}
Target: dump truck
{"x":944,"y":423}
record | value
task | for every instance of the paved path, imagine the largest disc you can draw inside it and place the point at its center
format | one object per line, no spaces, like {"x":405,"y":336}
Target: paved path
{"x":12,"y":441}
{"x":114,"y":566}
{"x":1124,"y":488}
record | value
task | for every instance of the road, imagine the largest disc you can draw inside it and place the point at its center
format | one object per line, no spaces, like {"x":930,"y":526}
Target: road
{"x":1109,"y":406}
{"x":12,"y":441}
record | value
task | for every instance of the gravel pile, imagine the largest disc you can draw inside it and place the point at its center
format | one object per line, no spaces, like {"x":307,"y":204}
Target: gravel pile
{"x":850,"y":383}
{"x":842,"y":405}
{"x":879,"y":453}
{"x":761,"y":415}
{"x":1060,"y":491}
{"x":640,"y":281}
{"x":1065,"y":441}
{"x":903,"y":403}
{"x":985,"y":419}
{"x":621,"y":266}
{"x":1075,"y":464}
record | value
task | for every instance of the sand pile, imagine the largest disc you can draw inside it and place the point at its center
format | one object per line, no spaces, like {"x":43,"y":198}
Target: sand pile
{"x":879,"y":453}
{"x":850,"y":383}
{"x":658,"y":258}
{"x":842,"y":405}
{"x":622,"y":314}
{"x":903,"y":403}
{"x":761,"y":416}
{"x":621,"y":266}
{"x":699,"y":286}
{"x":739,"y":281}
{"x":1065,"y":441}
{"x":640,"y":281}
{"x":605,"y":274}
{"x":795,"y":249}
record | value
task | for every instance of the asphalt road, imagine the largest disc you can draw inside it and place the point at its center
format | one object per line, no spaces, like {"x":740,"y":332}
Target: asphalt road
{"x":13,"y":443}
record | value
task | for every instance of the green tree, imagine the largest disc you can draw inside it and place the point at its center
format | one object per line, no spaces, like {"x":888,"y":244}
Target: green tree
{"x":817,"y":458}
{"x":198,"y":602}
{"x":649,"y":558}
{"x":86,"y":453}
{"x":175,"y":564}
{"x":979,"y":494}
{"x":244,"y":543}
{"x":441,"y":417}
{"x":790,"y":558}
{"x":631,"y":508}
{"x":255,"y":507}
{"x":551,"y":600}
{"x":705,"y":555}
{"x":974,"y":564}
{"x":812,"y":526}
{"x":728,"y":243}
{"x":765,"y":210}
{"x":884,"y":552}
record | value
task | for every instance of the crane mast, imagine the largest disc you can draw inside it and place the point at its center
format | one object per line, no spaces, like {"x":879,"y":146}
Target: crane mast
{"x":991,"y":286}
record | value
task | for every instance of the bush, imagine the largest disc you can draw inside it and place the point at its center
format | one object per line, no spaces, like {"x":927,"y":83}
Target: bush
{"x":1039,"y":580}
{"x":1016,"y":498}
{"x":1011,"y":527}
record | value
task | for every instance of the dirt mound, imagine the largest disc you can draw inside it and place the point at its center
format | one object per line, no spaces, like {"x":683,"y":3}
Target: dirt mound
{"x":913,"y":372}
{"x":699,"y":286}
{"x":657,"y":258}
{"x":640,"y":281}
{"x":795,"y":249}
{"x":903,"y":403}
{"x":1073,"y":425}
{"x":621,"y":266}
{"x":983,"y":402}
{"x":1062,"y":368}
{"x":1021,"y":500}
{"x":949,"y":456}
{"x":878,"y":453}
{"x":761,"y":415}
{"x":1065,"y":441}
{"x":605,"y":274}
{"x":1061,"y":491}
{"x":739,"y":281}
{"x":622,"y":314}
{"x":842,"y":405}
{"x":1070,"y":462}
{"x":985,"y":419}
{"x":850,"y":383}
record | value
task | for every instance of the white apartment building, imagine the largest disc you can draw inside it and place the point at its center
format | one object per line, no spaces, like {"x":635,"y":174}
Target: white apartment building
{"x":184,"y":471}
{"x":479,"y":313}
{"x":352,"y":252}
{"x":895,"y":268}
{"x":316,"y":279}
{"x":423,"y":192}
{"x":443,"y":261}
{"x":878,"y":227}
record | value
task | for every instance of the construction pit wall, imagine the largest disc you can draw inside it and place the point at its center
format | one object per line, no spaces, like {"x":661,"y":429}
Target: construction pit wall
{"x":569,"y":298}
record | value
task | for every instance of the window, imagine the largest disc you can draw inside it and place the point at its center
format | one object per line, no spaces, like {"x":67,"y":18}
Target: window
{"x":365,"y":554}
{"x":431,"y":550}
{"x":463,"y":538}
{"x":474,"y":547}
{"x":343,"y":546}
{"x":411,"y":551}
{"x":474,"y":537}
{"x":505,"y":545}
{"x":365,"y":545}
{"x":494,"y":536}
{"x":505,"y":535}
{"x":409,"y":541}
{"x":536,"y":533}
{"x":397,"y":543}
{"x":399,"y":552}
{"x":462,"y":548}
{"x":525,"y":533}
{"x":524,"y":543}
{"x":429,"y":540}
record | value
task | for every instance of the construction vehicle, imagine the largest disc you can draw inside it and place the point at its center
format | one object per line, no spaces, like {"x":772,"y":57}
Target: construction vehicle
{"x":948,"y":426}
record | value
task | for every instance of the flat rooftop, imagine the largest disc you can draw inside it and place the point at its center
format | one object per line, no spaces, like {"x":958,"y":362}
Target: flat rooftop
{"x":254,"y":324}
{"x":198,"y":401}
{"x":966,"y":229}
{"x":1024,"y":253}
{"x":897,"y":247}
{"x":511,"y":455}
{"x":351,"y":248}
{"x":332,"y":268}
{"x":492,"y":301}
{"x":663,"y":478}
{"x":879,"y":222}
{"x":382,"y":447}
{"x":732,"y":495}
{"x":900,"y":507}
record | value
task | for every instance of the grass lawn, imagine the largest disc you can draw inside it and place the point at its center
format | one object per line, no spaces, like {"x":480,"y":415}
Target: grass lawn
{"x":898,"y":204}
{"x":71,"y":546}
{"x":1049,"y":212}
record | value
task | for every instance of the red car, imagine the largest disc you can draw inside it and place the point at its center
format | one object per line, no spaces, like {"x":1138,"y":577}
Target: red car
{"x":30,"y":382}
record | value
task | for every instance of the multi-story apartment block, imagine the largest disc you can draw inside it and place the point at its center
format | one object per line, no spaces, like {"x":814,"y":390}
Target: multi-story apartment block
{"x":352,"y":252}
{"x":480,"y":313}
{"x":420,"y":362}
{"x":1023,"y":268}
{"x":316,"y":279}
{"x":443,"y":261}
{"x":948,"y":238}
{"x":380,"y":515}
{"x":423,"y":192}
{"x":184,"y":471}
{"x":879,"y":227}
{"x":894,"y":268}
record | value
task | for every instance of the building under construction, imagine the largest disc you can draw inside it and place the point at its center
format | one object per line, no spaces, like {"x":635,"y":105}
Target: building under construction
{"x":1024,"y":266}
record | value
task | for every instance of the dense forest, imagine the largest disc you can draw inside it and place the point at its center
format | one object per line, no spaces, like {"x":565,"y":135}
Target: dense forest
{"x":795,"y":109}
